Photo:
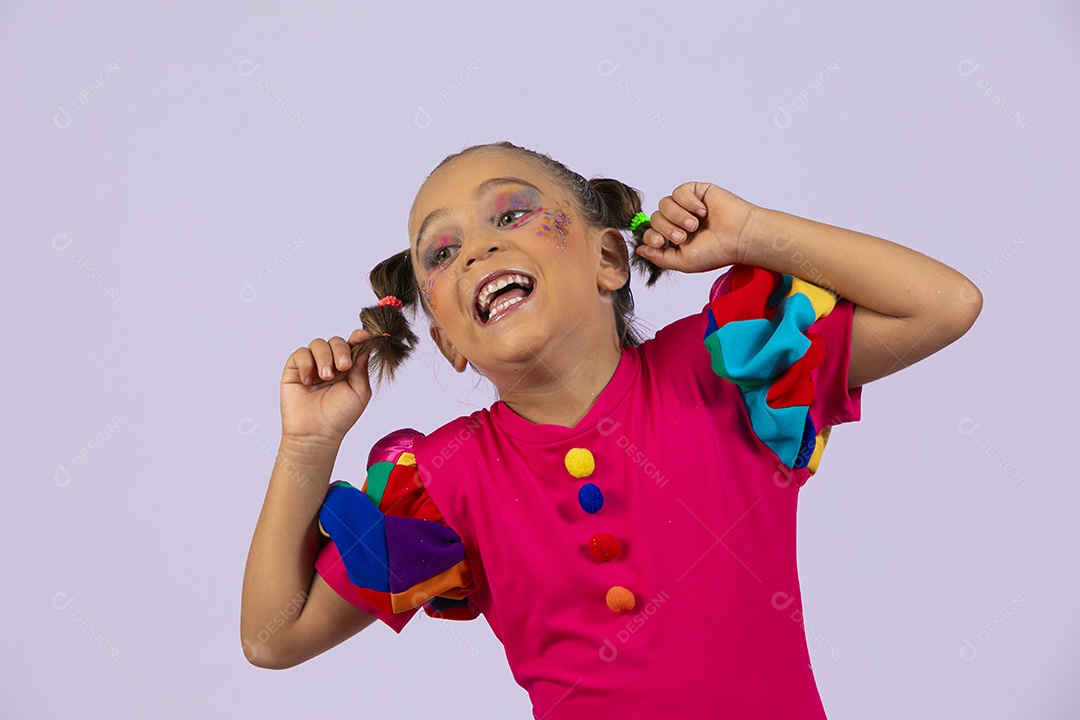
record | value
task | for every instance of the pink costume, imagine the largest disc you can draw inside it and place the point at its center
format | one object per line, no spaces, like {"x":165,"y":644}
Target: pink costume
{"x":676,"y":493}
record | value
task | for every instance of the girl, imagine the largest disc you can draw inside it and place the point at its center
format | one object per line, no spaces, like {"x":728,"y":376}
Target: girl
{"x":624,"y":515}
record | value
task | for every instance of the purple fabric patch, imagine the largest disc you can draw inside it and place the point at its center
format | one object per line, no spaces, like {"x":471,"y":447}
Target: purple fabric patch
{"x":419,"y":550}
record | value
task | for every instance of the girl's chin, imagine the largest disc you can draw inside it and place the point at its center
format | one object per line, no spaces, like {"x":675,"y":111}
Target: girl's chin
{"x":512,"y":341}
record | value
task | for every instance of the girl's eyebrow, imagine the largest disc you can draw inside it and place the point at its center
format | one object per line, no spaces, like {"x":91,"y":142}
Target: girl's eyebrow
{"x":484,"y":187}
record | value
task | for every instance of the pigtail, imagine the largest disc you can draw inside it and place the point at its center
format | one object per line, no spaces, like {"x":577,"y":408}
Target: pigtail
{"x":392,"y":339}
{"x":623,"y":203}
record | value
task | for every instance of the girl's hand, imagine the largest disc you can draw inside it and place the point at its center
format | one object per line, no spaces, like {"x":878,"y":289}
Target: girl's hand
{"x":714,"y":237}
{"x":315,"y":408}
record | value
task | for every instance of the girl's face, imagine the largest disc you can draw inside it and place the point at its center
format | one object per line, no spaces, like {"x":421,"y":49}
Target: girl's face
{"x":506,"y":265}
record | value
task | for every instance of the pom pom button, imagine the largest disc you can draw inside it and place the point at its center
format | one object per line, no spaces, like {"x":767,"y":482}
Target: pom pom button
{"x":620,"y":600}
{"x":580,"y":463}
{"x":590,"y":498}
{"x":604,"y":547}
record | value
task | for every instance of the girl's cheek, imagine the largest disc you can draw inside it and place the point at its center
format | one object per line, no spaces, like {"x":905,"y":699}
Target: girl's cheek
{"x":427,"y":288}
{"x":555,"y":226}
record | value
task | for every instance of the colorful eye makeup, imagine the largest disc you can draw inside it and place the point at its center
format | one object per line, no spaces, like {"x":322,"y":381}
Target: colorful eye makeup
{"x":435,"y":256}
{"x":524,"y":202}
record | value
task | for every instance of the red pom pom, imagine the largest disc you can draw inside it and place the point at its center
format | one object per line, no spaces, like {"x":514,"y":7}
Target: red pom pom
{"x":390,"y":300}
{"x":604,"y":547}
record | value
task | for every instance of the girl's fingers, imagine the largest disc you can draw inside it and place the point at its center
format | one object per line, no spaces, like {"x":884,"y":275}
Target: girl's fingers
{"x":687,"y":196}
{"x":305,"y":365}
{"x":323,"y":358}
{"x":342,"y":358}
{"x":676,"y":213}
{"x":659,"y":223}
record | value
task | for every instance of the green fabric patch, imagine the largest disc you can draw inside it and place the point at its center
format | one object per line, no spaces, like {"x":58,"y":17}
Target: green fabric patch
{"x":377,"y":477}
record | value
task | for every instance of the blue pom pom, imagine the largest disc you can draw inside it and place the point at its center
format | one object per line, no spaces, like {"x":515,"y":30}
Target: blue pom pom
{"x":590,"y":498}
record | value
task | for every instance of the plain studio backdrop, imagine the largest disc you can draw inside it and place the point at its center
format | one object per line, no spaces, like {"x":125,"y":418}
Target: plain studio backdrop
{"x":189,"y":191}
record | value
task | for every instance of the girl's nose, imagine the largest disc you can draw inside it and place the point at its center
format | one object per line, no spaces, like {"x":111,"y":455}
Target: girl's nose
{"x":480,"y":250}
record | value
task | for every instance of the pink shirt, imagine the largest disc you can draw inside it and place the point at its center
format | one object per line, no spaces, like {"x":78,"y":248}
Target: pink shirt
{"x":704,"y":515}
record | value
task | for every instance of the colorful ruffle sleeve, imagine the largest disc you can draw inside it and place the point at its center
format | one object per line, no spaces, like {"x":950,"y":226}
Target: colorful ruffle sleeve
{"x":388,"y":550}
{"x":786,"y":343}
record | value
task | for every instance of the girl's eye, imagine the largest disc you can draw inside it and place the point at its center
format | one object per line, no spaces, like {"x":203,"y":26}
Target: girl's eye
{"x":439,"y":255}
{"x":509,"y":213}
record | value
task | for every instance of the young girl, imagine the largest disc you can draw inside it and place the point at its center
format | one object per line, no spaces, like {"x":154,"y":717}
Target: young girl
{"x":624,"y":516}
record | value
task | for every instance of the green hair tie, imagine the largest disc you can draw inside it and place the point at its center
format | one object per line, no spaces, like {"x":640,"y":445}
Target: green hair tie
{"x":638,"y":220}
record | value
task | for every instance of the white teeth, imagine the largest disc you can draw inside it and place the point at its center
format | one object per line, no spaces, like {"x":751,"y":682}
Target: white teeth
{"x":484,"y":299}
{"x":503,"y":304}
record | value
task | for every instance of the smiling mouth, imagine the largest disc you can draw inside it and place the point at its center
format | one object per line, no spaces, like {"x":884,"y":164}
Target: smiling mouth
{"x":501,"y":293}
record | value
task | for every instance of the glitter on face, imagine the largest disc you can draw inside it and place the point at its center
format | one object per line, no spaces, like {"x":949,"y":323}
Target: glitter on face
{"x":559,"y":220}
{"x":425,"y":288}
{"x":562,"y":227}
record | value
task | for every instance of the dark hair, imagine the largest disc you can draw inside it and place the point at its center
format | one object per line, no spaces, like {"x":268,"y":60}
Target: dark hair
{"x":602,"y":202}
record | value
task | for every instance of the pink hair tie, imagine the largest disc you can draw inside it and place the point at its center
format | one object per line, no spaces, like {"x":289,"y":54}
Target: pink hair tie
{"x":390,"y":300}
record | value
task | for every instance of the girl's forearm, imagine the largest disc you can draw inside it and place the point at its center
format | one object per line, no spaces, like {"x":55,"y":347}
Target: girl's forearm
{"x":869,"y":271}
{"x":281,"y":560}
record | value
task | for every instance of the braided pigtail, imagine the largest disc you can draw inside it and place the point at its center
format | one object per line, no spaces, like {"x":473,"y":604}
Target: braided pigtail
{"x":392,"y":339}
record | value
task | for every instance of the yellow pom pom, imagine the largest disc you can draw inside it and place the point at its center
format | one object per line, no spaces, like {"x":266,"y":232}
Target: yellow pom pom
{"x":620,"y":599}
{"x":580,"y":463}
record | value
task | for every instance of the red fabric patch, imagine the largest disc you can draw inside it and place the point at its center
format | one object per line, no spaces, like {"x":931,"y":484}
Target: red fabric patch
{"x":405,"y":496}
{"x":794,"y":387}
{"x":748,"y":298}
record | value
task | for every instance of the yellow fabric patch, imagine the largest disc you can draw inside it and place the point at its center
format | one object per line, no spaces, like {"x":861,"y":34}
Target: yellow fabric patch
{"x":823,"y":300}
{"x":819,"y":447}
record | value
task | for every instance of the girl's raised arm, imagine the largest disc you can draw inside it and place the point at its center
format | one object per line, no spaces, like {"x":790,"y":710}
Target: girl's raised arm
{"x":908,"y":305}
{"x":288,"y":613}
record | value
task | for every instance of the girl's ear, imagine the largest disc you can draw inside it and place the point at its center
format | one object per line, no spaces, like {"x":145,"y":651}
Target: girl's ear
{"x":459,"y":361}
{"x":614,"y":260}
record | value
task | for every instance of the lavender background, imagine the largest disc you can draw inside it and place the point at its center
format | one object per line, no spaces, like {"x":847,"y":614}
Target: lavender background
{"x":189,"y":191}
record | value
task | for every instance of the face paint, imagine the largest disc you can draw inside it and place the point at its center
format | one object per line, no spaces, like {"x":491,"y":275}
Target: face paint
{"x":425,"y":288}
{"x":562,"y":227}
{"x":516,"y":200}
{"x":560,"y":221}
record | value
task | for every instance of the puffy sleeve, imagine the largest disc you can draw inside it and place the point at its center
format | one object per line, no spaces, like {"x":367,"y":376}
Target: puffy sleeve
{"x":386,"y":548}
{"x":786,"y":343}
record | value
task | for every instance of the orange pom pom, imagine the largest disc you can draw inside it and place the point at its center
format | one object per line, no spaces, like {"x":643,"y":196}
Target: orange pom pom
{"x":620,"y":599}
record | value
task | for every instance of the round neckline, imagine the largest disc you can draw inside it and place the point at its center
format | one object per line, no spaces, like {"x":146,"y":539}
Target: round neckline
{"x":540,"y":433}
